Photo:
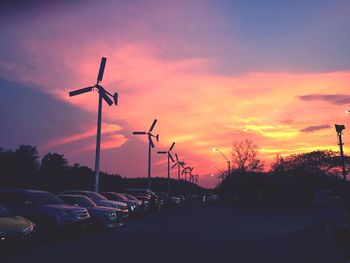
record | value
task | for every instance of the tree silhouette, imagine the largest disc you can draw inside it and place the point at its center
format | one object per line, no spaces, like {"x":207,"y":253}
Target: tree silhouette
{"x":244,"y":155}
{"x":53,"y":164}
{"x":316,"y":162}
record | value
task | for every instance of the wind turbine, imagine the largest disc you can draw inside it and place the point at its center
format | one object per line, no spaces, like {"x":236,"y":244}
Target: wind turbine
{"x":187,"y":170}
{"x":150,"y":146}
{"x":103,"y":94}
{"x":179,"y":164}
{"x":169,"y":158}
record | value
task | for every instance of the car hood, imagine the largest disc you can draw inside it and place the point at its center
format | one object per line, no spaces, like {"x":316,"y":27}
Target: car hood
{"x":101,"y":209}
{"x":66,"y":207}
{"x":14,"y":223}
{"x":110,"y":202}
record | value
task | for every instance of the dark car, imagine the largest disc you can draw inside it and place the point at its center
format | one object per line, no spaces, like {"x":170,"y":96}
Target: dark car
{"x":133,"y":206}
{"x":14,"y":229}
{"x":104,"y":217}
{"x":45,"y":209}
{"x":155,"y":201}
{"x":100,"y":200}
{"x":145,"y":206}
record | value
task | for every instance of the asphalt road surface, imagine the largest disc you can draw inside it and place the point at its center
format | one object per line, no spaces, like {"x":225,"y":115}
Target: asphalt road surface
{"x":203,"y":233}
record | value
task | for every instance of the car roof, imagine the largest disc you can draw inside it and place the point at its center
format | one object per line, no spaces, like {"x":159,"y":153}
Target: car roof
{"x":80,"y":191}
{"x":74,"y":196}
{"x":21,"y":190}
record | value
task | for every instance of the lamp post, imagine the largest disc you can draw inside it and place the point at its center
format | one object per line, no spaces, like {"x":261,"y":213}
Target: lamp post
{"x":215,"y":149}
{"x":339,"y":129}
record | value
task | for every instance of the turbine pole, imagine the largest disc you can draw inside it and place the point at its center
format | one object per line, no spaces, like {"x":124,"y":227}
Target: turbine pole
{"x":178,"y":178}
{"x":98,"y":143}
{"x":168,"y":174}
{"x":186,"y":186}
{"x":149,"y":162}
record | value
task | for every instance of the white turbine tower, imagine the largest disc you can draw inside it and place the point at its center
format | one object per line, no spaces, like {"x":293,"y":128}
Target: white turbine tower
{"x":103,"y":94}
{"x":170,"y":157}
{"x":150,"y":146}
{"x":179,"y":164}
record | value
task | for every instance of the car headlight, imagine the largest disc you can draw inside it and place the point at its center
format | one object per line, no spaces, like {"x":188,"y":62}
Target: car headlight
{"x":2,"y":236}
{"x":111,"y":214}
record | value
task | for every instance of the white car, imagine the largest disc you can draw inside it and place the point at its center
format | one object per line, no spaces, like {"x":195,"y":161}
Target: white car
{"x":100,"y":200}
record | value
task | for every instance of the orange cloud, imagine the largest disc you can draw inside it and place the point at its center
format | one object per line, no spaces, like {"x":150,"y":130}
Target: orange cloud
{"x":107,"y":129}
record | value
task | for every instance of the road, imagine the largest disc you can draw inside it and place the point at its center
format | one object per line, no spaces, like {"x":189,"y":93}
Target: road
{"x":198,"y":233}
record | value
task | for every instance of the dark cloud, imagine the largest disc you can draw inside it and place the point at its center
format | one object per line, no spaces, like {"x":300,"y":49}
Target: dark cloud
{"x":30,"y":116}
{"x":316,"y":128}
{"x":337,"y":99}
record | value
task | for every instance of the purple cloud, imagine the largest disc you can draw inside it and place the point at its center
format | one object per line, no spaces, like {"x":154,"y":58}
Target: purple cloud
{"x":316,"y":128}
{"x":337,"y":99}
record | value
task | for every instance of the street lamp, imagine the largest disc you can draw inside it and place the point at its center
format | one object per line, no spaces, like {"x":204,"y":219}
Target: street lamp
{"x":215,"y":149}
{"x":339,"y":129}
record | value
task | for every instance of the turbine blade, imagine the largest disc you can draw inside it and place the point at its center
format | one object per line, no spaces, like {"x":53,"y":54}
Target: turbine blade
{"x":115,"y":98}
{"x":172,"y":146}
{"x":162,"y":152}
{"x":177,"y":157}
{"x":139,"y":133}
{"x":152,"y":126}
{"x":80,"y":91}
{"x":183,"y":171}
{"x":174,"y":165}
{"x":102,"y":69}
{"x":172,"y":159}
{"x":105,"y":97}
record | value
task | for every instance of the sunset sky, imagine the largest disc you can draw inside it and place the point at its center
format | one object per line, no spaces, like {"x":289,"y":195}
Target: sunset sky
{"x":211,"y":72}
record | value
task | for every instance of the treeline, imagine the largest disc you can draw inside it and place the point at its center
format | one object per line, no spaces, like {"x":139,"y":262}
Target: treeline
{"x":22,"y":168}
{"x":292,"y":181}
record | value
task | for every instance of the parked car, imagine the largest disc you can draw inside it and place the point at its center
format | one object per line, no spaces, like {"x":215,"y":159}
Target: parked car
{"x":211,"y":198}
{"x":133,"y":206}
{"x":175,"y":200}
{"x":100,"y":200}
{"x":155,"y":201}
{"x":182,"y":197}
{"x":145,"y":206}
{"x":168,"y":200}
{"x":13,"y":228}
{"x":45,"y":209}
{"x":101,"y":216}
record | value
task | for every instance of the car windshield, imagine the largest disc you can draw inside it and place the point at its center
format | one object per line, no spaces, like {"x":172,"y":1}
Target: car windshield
{"x":130,"y":197}
{"x":46,"y":199}
{"x":96,"y":197}
{"x":122,"y":197}
{"x":4,"y":212}
{"x":85,"y":202}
